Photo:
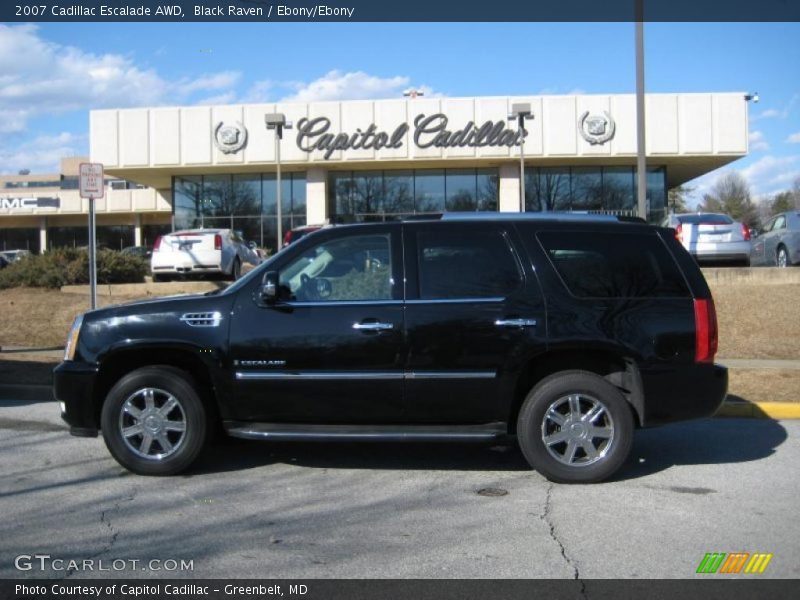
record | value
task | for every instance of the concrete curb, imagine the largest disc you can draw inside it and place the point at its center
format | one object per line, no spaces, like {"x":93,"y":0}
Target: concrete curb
{"x":760,"y":410}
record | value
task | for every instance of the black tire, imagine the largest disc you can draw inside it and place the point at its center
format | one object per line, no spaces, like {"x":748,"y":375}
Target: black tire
{"x":236,"y":269}
{"x":591,"y":390}
{"x":186,"y":445}
{"x":786,"y":260}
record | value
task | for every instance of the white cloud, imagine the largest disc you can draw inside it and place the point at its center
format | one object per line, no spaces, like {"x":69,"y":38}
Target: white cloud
{"x":212,"y":81}
{"x":779,"y":113}
{"x":794,"y":138}
{"x":42,"y":154}
{"x":355,"y":85}
{"x":758,"y":141}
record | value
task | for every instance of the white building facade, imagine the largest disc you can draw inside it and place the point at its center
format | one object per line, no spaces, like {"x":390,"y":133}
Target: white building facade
{"x":214,"y":166}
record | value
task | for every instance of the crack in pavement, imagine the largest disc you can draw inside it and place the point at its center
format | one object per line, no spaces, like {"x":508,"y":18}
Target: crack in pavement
{"x":545,"y":516}
{"x":114,"y":533}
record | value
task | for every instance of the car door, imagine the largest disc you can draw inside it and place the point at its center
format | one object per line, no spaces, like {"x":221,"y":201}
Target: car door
{"x":330,"y":350}
{"x":472,"y":317}
{"x":773,"y":238}
{"x":757,"y":254}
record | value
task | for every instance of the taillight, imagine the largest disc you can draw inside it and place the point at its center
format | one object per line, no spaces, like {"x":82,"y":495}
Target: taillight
{"x":679,"y":232}
{"x":287,"y":239}
{"x":157,"y":245}
{"x":745,"y":232}
{"x":706,"y":333}
{"x":217,"y":242}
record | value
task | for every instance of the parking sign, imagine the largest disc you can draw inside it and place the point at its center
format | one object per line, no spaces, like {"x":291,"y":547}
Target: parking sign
{"x":91,"y":180}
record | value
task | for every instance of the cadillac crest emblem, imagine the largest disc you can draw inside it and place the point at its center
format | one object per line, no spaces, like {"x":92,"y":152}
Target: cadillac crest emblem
{"x":596,"y":129}
{"x":230,"y":138}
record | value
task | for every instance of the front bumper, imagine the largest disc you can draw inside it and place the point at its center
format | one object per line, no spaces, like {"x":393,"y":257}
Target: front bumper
{"x":73,"y":386}
{"x":679,"y":394}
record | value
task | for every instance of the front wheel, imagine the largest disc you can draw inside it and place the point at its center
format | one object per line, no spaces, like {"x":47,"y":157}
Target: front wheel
{"x":153,"y":421}
{"x":783,"y":257}
{"x":575,"y":427}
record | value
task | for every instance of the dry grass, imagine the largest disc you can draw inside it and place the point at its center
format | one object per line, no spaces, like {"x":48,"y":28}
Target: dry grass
{"x":765,"y":385}
{"x":758,"y":321}
{"x":755,"y":322}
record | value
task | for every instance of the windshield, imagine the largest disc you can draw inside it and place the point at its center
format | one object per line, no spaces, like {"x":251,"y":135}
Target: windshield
{"x":707,"y":219}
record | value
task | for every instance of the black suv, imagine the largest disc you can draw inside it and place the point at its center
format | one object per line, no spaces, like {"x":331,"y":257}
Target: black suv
{"x":565,"y":331}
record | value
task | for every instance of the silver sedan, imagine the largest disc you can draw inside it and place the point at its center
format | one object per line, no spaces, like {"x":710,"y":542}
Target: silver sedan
{"x":778,"y":244}
{"x":712,"y":237}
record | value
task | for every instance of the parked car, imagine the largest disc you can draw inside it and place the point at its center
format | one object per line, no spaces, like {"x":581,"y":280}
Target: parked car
{"x":712,"y":237}
{"x":298,"y":233}
{"x":200,"y":251}
{"x":778,"y":243}
{"x":14,"y":255}
{"x":564,"y":331}
{"x":140,"y":251}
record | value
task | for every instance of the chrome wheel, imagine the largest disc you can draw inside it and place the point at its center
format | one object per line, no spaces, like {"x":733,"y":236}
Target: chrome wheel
{"x":152,"y":423}
{"x":577,"y":430}
{"x":783,"y":258}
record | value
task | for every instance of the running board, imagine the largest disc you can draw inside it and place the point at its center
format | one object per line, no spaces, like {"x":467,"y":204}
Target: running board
{"x":366,"y":433}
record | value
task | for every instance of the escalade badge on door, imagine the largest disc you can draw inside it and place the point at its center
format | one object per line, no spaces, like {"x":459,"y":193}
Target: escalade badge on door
{"x":596,"y":129}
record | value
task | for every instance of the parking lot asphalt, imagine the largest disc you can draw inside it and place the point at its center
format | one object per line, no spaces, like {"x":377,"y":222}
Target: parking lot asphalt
{"x":285,"y":510}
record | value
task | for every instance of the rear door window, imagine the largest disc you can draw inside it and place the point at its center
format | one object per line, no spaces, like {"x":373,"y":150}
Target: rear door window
{"x":463,"y":264}
{"x":613,"y":265}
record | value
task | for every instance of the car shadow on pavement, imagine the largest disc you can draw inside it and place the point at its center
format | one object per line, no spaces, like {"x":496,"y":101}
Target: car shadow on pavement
{"x":702,"y":442}
{"x":707,"y":441}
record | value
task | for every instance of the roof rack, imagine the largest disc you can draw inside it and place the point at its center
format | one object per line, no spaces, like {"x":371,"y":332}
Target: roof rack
{"x":537,"y":216}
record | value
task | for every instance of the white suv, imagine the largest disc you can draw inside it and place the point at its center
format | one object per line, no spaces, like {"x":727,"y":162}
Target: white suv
{"x":198,"y":251}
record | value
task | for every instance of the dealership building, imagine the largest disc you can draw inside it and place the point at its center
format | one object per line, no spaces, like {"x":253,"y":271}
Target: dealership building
{"x":215,"y":166}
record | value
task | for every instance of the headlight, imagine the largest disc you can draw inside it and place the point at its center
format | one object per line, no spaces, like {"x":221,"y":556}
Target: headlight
{"x":72,"y":338}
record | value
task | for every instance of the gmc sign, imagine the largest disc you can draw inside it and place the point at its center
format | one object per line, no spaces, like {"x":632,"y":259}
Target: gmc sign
{"x":24,"y":203}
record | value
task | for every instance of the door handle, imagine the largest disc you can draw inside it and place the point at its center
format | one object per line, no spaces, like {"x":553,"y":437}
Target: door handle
{"x":515,"y":322}
{"x":373,"y":326}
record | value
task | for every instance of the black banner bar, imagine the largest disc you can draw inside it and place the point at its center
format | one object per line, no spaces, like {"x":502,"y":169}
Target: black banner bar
{"x":708,"y":588}
{"x":276,"y":11}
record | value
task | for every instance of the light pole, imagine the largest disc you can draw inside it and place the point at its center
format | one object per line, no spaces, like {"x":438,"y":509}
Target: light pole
{"x":278,"y":122}
{"x":641,"y":160}
{"x":520,"y":112}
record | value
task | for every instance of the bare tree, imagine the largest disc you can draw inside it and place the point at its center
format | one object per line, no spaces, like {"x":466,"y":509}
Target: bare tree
{"x":731,"y":195}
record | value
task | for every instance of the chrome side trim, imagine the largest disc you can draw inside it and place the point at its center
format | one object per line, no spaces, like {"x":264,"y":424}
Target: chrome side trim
{"x":515,"y":322}
{"x":369,"y":375}
{"x":315,"y":375}
{"x":457,"y":301}
{"x":450,"y":375}
{"x":345,"y":303}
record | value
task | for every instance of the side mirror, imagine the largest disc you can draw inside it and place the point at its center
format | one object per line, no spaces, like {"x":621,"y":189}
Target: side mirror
{"x":754,"y":233}
{"x":252,"y":245}
{"x":269,"y":288}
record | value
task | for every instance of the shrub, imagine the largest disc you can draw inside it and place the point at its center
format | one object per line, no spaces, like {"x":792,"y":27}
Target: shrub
{"x":70,"y":266}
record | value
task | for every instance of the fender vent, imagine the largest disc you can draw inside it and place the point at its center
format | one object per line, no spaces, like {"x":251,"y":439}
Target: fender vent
{"x":202,"y":319}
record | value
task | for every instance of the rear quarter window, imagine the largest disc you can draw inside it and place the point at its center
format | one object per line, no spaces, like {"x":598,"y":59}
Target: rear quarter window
{"x":613,"y":265}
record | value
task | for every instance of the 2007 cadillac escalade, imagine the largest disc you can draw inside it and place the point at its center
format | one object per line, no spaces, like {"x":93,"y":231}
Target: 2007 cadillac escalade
{"x":565,"y":331}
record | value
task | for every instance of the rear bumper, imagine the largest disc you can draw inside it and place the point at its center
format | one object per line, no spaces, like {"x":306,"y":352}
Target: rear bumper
{"x":720,"y":251}
{"x":689,"y":392}
{"x":203,"y":261}
{"x":73,"y":387}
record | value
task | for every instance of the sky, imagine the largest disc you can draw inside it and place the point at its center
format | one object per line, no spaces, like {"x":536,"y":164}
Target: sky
{"x":52,"y":74}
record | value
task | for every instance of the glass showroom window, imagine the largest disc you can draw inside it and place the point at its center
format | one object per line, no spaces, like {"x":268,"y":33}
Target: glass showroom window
{"x":187,"y":201}
{"x":547,"y":189}
{"x":656,"y":194}
{"x":386,"y":195}
{"x":13,"y":238}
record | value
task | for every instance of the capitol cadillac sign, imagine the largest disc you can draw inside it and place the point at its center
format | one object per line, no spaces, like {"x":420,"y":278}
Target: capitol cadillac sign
{"x":429,"y":131}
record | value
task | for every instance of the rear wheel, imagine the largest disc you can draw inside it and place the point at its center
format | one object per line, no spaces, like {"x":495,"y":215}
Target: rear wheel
{"x":575,"y":427}
{"x":153,"y":421}
{"x":782,"y":257}
{"x":236,"y":269}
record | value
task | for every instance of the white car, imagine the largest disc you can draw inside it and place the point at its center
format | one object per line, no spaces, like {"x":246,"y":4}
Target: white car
{"x":199,"y":251}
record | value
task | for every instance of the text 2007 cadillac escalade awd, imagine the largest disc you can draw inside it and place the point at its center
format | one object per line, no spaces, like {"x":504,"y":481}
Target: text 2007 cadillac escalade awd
{"x":566,"y":332}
